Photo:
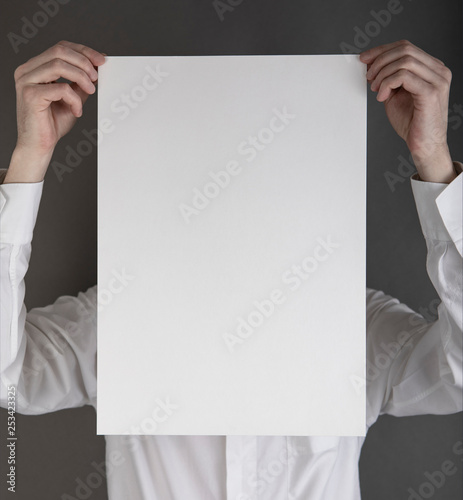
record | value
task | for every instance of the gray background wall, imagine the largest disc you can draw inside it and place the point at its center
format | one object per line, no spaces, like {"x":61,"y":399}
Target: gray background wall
{"x":56,"y":449}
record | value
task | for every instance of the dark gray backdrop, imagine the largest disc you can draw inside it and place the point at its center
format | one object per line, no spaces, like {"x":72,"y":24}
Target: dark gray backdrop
{"x":57,"y":449}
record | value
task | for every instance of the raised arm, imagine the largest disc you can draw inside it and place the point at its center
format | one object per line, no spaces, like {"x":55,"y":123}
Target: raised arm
{"x":48,"y":354}
{"x":415,"y":366}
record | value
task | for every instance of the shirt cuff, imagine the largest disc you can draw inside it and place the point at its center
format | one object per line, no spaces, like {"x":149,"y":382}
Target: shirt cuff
{"x":439,"y":207}
{"x":19,"y":205}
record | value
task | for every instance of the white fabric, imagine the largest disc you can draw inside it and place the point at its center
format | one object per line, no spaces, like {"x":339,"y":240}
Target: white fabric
{"x":414,"y":367}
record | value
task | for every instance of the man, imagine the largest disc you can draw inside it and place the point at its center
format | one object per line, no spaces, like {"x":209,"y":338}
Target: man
{"x":414,"y":367}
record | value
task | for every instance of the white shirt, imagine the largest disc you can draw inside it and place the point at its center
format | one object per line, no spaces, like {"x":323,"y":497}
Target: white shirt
{"x":414,"y":367}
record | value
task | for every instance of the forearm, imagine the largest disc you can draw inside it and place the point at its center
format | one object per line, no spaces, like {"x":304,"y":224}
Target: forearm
{"x":436,"y":166}
{"x":18,"y":212}
{"x":27,"y":165}
{"x":439,"y":209}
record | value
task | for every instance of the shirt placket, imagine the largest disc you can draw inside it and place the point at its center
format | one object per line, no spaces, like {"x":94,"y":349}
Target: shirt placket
{"x":241,"y":462}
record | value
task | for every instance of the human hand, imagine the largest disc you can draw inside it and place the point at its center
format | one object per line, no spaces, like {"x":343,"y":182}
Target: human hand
{"x":414,"y":87}
{"x":47,"y":110}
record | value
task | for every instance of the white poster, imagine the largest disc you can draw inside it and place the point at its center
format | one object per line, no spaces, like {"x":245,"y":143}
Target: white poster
{"x":231,"y":245}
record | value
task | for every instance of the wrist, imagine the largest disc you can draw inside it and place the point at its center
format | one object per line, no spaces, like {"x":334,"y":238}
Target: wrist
{"x":436,"y":166}
{"x":28,"y":165}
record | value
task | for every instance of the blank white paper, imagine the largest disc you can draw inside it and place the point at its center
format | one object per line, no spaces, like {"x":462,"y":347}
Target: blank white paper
{"x":231,"y":245}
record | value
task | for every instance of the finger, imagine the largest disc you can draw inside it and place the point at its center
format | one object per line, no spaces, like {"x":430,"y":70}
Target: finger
{"x":368,"y":56}
{"x":401,"y":52}
{"x":55,"y":69}
{"x":44,"y":94}
{"x":96,"y":57}
{"x":81,"y":93}
{"x":411,"y":64}
{"x":406,"y":79}
{"x":64,"y":52}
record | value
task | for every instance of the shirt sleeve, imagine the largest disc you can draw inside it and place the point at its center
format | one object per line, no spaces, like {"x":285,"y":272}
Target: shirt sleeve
{"x":47,"y":353}
{"x":415,"y":366}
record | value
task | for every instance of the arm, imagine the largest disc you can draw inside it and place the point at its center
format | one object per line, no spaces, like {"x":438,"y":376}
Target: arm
{"x":415,"y":366}
{"x":47,"y":353}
